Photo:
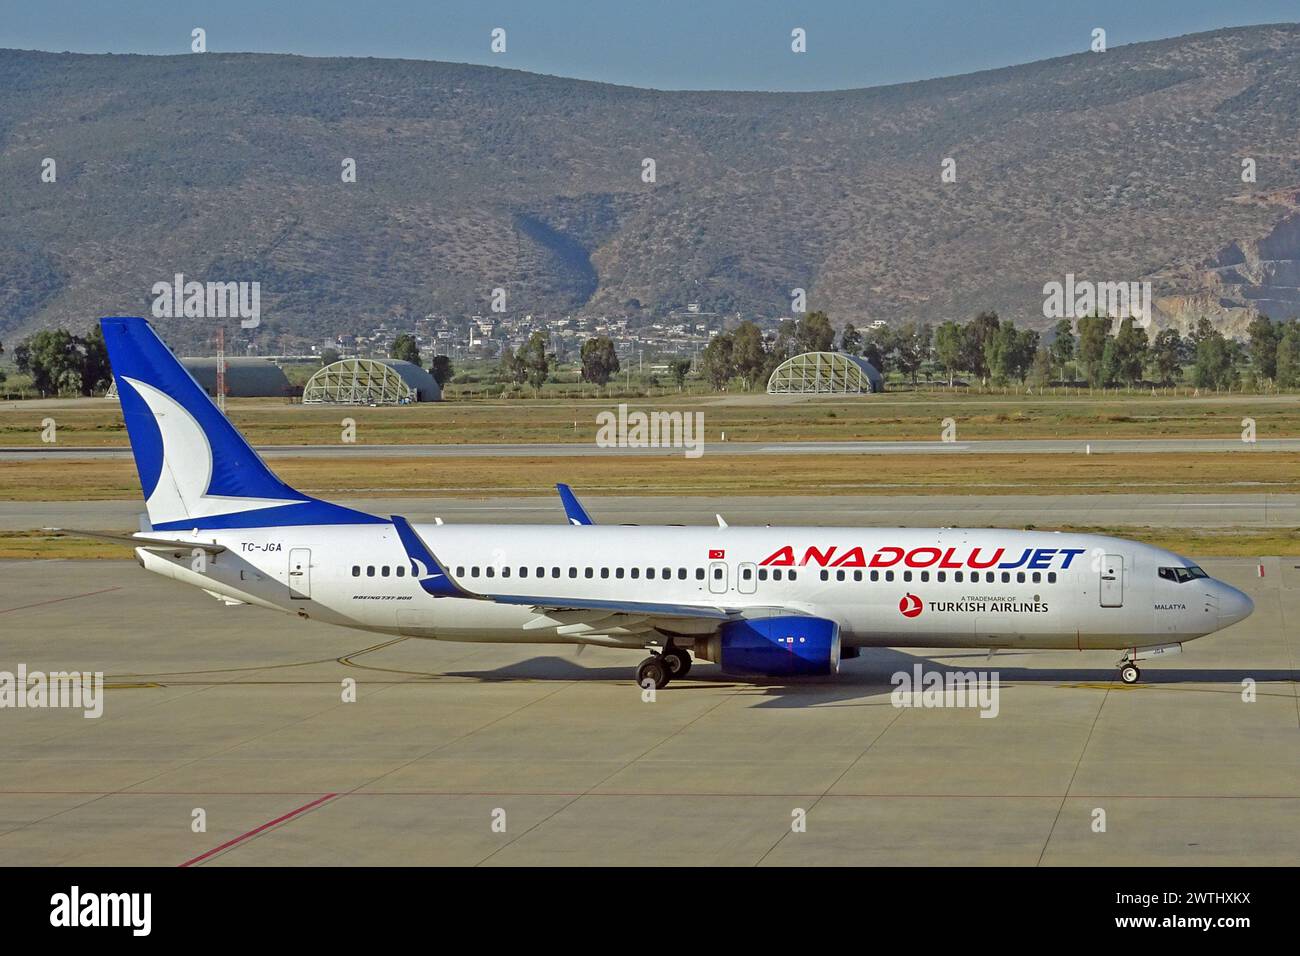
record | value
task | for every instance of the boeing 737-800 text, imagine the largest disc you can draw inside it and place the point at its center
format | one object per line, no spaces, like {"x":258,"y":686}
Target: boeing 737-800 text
{"x":757,"y":601}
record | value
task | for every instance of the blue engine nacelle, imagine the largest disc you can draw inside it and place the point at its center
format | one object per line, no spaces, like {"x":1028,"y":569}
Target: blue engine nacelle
{"x":785,"y":646}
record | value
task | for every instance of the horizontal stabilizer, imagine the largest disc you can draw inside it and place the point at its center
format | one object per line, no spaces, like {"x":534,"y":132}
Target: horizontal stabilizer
{"x":141,"y":541}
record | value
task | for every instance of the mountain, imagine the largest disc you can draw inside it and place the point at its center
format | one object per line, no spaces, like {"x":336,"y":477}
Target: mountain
{"x":1114,"y":167}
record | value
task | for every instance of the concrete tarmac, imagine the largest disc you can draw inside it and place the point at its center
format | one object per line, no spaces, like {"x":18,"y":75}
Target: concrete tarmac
{"x":1209,"y":510}
{"x":238,"y":713}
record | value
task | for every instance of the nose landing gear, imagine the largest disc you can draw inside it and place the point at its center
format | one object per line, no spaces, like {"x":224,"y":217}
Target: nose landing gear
{"x":1130,"y":674}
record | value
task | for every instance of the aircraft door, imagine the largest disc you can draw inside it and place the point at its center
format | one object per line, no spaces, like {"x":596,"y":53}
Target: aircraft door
{"x":746,"y":578}
{"x":1112,"y":580}
{"x":300,"y":573}
{"x":718,"y":577}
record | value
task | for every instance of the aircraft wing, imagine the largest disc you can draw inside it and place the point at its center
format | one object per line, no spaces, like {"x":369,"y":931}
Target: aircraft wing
{"x":571,"y":611}
{"x":142,"y":541}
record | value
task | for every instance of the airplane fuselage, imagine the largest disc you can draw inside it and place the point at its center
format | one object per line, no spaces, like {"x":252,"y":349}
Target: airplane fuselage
{"x":896,"y":587}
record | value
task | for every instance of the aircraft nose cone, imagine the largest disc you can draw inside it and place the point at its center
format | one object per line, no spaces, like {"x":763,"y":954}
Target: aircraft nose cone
{"x":1234,"y":606}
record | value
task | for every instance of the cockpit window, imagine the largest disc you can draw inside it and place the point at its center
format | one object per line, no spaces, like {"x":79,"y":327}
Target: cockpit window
{"x":1182,"y":575}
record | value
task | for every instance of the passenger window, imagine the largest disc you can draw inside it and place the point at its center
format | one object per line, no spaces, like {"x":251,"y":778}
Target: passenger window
{"x":747,"y":573}
{"x":541,"y":572}
{"x":762,"y":574}
{"x":699,"y":574}
{"x":604,"y":572}
{"x":826,"y":575}
{"x":573,"y":572}
{"x":667,"y":574}
{"x":636,"y":573}
{"x":490,"y":571}
{"x":776,"y":574}
{"x":1006,"y":577}
{"x":839,"y":575}
{"x":523,"y":572}
{"x":875,"y":575}
{"x":792,"y":575}
{"x":650,"y":574}
{"x":555,"y":572}
{"x":956,"y":576}
{"x":618,"y":573}
{"x":401,"y":570}
{"x":1051,"y":577}
{"x":943,"y":576}
{"x":681,"y":574}
{"x":370,"y":570}
{"x":587,"y":573}
{"x":460,"y":571}
{"x":1038,"y":577}
{"x":925,"y":575}
{"x":473,"y":572}
{"x":857,"y":575}
{"x":907,"y":575}
{"x":1020,"y":577}
{"x":356,"y":570}
{"x":889,"y":575}
{"x":717,"y":574}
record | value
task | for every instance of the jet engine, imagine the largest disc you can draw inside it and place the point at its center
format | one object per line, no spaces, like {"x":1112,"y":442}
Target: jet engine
{"x":784,"y":646}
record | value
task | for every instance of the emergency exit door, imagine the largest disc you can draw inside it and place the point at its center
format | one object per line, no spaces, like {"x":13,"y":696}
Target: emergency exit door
{"x":1112,"y":580}
{"x":300,"y":574}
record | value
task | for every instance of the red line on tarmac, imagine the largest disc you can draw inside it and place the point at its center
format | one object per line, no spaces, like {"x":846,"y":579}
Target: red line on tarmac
{"x":265,"y":826}
{"x":70,"y":597}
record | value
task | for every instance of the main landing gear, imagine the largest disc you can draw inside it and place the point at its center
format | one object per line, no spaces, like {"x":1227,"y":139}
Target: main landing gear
{"x":659,"y":669}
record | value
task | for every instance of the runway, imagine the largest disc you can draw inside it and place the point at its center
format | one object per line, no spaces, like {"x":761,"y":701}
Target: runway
{"x":712,"y":446}
{"x":1009,"y":511}
{"x":238,"y":712}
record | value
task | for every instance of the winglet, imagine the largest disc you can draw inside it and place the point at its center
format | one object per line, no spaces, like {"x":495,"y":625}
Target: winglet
{"x":573,"y":508}
{"x":435,"y":580}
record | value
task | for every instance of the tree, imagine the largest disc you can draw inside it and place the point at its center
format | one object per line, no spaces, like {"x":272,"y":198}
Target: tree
{"x":1062,"y":348}
{"x":52,"y":359}
{"x":329,"y":356}
{"x":911,"y":347}
{"x":1009,"y":353}
{"x":535,"y":360}
{"x":406,"y":349}
{"x":978,"y":331}
{"x":1094,"y":333}
{"x":1167,"y":356}
{"x":1288,"y":356}
{"x":814,"y":333}
{"x":949,"y":347}
{"x":441,"y":369}
{"x":512,"y":368}
{"x":850,"y":339}
{"x":679,"y":368}
{"x":748,"y":352}
{"x":1264,"y":337}
{"x":1213,"y":367}
{"x":599,"y":360}
{"x":879,"y":343}
{"x":715,"y":360}
{"x":1131,"y":346}
{"x":1040,"y":372}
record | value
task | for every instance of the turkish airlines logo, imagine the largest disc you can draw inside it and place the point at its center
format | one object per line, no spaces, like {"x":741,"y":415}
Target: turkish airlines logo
{"x":909,"y":605}
{"x":717,"y":554}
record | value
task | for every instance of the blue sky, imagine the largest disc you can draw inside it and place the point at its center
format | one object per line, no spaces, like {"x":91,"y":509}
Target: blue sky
{"x":669,"y":44}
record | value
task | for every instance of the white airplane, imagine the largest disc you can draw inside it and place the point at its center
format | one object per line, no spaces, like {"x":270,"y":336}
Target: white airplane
{"x":769,"y":602}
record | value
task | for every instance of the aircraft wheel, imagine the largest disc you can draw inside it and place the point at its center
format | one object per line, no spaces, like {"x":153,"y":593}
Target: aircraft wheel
{"x":655,"y":670}
{"x":1130,"y":674}
{"x":678,"y":661}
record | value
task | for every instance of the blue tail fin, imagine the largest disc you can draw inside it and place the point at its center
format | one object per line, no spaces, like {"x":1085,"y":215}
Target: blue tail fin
{"x":195,"y":469}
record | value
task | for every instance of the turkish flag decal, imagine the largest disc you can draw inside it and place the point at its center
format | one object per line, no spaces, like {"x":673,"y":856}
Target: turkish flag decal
{"x":716,"y":554}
